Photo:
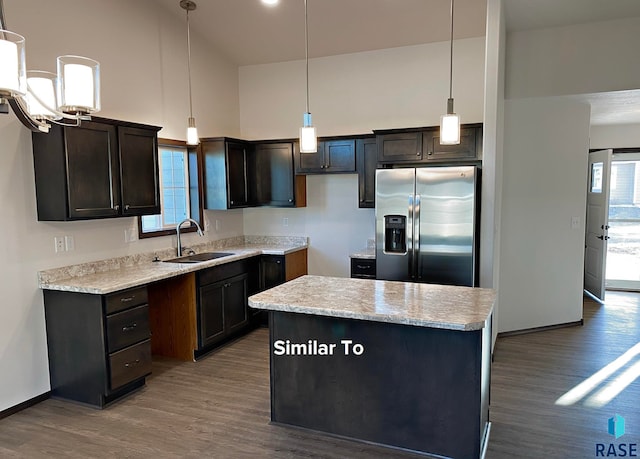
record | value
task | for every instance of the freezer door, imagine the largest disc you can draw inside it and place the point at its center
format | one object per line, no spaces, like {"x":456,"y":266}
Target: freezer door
{"x":445,"y":225}
{"x":394,"y":223}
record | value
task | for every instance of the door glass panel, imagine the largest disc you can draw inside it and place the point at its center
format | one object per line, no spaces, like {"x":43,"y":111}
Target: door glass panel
{"x":596,"y":177}
{"x":623,"y":254}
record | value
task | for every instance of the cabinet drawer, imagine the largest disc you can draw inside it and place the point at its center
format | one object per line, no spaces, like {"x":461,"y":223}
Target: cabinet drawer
{"x":363,"y":268}
{"x":127,"y":327}
{"x":125,"y":299}
{"x":218,"y":273}
{"x":130,"y":364}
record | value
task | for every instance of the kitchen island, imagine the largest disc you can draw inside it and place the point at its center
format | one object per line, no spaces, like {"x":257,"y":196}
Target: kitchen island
{"x":399,"y":364}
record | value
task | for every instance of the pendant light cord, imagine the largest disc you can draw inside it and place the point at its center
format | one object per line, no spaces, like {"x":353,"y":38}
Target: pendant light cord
{"x":306,"y":50}
{"x":189,"y":63}
{"x":451,"y":57}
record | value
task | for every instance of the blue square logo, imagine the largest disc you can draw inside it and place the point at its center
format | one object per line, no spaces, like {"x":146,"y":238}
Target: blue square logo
{"x":616,"y":426}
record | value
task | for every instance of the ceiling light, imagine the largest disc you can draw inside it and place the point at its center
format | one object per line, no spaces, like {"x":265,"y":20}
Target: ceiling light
{"x":270,"y":2}
{"x":450,"y":123}
{"x":308,"y":138}
{"x":40,"y":98}
{"x":192,"y":131}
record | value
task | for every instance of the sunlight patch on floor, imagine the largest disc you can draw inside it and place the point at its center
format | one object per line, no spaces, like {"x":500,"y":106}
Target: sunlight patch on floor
{"x":605,"y":395}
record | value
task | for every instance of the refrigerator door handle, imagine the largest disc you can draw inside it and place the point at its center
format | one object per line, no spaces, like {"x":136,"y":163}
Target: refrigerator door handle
{"x":410,"y":234}
{"x":416,"y":247}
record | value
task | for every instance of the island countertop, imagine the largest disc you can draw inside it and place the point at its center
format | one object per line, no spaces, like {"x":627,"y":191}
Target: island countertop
{"x":423,"y":305}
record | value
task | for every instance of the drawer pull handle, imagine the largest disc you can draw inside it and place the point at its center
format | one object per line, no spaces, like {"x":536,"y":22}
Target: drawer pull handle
{"x":127,"y":299}
{"x":132,"y":364}
{"x":127,"y":328}
{"x":364,"y":266}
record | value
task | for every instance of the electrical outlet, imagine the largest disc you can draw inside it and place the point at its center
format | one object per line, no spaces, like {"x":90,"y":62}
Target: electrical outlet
{"x":58,"y":244}
{"x":69,"y":243}
{"x":285,"y":221}
{"x":575,"y":222}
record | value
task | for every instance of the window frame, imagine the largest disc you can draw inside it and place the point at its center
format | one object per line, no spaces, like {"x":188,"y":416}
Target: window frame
{"x":193,"y":160}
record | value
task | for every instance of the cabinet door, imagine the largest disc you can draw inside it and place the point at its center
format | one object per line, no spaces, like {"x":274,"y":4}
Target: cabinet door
{"x":237,"y":175}
{"x":139,"y":171}
{"x":340,"y":156}
{"x":311,"y":163}
{"x":466,"y":150}
{"x":274,"y":178}
{"x":211,"y":313}
{"x":92,"y":168}
{"x":401,"y":147}
{"x":272,"y":271}
{"x":235,"y":303}
{"x":367,"y":157}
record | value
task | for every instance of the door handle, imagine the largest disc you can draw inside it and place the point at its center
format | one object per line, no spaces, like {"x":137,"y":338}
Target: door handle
{"x":604,"y":238}
{"x":604,"y":227}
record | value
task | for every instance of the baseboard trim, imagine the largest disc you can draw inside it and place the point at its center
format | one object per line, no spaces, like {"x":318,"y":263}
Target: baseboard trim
{"x":539,"y":329}
{"x":24,"y":405}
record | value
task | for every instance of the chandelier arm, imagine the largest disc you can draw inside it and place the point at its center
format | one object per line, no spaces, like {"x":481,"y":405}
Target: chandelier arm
{"x":23,"y":115}
{"x":3,"y":24}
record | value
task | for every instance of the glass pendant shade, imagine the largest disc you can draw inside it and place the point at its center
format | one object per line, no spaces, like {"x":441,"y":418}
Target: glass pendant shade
{"x":308,"y":138}
{"x":192,"y":132}
{"x":13,"y":74}
{"x":449,"y":129}
{"x":78,"y":85}
{"x":41,"y":98}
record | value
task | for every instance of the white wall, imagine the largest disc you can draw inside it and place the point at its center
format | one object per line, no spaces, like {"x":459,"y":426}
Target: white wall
{"x":332,"y":220}
{"x":577,"y":59}
{"x":544,"y":182}
{"x":615,"y":136}
{"x":352,"y":94}
{"x":492,"y":162}
{"x":356,"y":93}
{"x":144,"y":80}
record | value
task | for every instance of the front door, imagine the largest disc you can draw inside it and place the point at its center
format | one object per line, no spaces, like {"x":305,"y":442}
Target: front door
{"x":597,"y":222}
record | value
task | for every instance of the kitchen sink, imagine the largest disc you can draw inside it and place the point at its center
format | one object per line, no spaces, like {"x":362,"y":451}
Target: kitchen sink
{"x":198,"y":257}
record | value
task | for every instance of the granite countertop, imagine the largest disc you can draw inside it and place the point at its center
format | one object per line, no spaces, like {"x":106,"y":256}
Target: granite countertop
{"x":368,"y":253}
{"x":424,"y":305}
{"x":108,"y":276}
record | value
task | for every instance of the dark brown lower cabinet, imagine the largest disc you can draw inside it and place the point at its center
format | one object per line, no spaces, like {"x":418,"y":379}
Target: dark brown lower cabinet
{"x":99,"y":345}
{"x":222,"y":308}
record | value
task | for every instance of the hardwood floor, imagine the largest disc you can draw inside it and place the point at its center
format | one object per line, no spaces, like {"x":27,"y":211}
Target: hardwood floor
{"x":219,"y":406}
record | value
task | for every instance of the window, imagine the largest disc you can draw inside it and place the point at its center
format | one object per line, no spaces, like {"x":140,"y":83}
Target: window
{"x":178,"y":196}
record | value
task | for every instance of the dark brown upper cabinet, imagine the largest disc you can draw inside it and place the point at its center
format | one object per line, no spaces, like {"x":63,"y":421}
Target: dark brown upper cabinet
{"x":470,"y":147}
{"x":366,"y":161}
{"x":422,"y":145}
{"x":225,"y":169}
{"x":272,"y":178}
{"x":100,"y":169}
{"x":400,"y":147}
{"x":333,"y":156}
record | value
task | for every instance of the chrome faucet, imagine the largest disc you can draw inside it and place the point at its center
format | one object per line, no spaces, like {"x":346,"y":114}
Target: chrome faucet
{"x":179,"y":248}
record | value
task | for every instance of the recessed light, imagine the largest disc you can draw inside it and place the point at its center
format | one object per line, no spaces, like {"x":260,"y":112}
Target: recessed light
{"x":270,"y":2}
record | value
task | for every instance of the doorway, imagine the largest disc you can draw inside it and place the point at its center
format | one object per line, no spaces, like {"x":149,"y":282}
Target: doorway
{"x":623,"y":248}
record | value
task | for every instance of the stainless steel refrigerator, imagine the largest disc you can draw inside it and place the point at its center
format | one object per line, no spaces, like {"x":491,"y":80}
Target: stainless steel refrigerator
{"x":426,"y":224}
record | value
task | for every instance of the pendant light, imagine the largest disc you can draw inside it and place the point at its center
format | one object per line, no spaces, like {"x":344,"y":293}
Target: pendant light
{"x":308,"y":138}
{"x":192,"y":131}
{"x":450,"y":123}
{"x":41,"y":98}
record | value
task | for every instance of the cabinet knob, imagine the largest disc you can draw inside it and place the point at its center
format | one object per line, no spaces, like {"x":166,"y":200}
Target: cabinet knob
{"x":290,"y":200}
{"x":418,"y":154}
{"x":232,"y":202}
{"x":116,"y":207}
{"x":322,"y":167}
{"x":430,"y":153}
{"x":278,"y":261}
{"x":362,"y":200}
{"x":126,"y":207}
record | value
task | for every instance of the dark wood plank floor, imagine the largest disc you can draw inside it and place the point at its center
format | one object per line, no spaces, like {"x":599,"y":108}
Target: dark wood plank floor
{"x":219,"y":406}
